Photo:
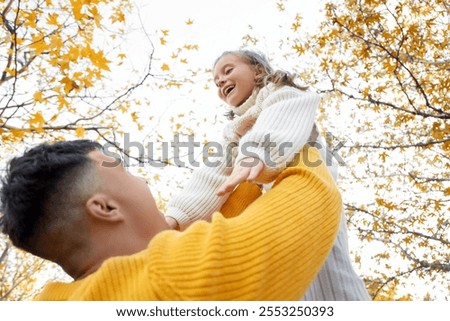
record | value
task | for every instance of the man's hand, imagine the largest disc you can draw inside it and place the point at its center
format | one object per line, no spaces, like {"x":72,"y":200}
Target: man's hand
{"x":248,"y":169}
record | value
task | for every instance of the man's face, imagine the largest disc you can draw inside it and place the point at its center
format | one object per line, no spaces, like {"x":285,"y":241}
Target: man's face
{"x":130,"y":193}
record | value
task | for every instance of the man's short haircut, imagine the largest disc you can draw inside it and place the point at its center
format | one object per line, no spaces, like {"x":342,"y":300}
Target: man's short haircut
{"x":39,"y":189}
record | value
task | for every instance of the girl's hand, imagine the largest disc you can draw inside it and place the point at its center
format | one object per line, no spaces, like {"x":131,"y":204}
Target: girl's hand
{"x":248,"y":169}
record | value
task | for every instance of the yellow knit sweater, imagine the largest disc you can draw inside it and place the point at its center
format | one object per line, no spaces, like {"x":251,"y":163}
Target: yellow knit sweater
{"x":271,"y":251}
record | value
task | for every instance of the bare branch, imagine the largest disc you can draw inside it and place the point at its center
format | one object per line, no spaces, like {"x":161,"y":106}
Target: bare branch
{"x":416,"y":145}
{"x":442,"y":114}
{"x":428,"y":179}
{"x":12,"y":46}
{"x":401,"y":230}
{"x":4,"y":253}
{"x":139,"y":159}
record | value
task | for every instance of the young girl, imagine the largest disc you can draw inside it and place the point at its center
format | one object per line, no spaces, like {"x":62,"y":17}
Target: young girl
{"x":272,"y":119}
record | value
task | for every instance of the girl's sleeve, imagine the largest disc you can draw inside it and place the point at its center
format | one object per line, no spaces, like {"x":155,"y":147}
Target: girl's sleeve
{"x":281,"y":130}
{"x":198,"y":200}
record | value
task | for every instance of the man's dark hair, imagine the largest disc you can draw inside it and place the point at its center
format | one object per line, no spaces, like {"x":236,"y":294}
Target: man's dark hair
{"x":36,"y":184}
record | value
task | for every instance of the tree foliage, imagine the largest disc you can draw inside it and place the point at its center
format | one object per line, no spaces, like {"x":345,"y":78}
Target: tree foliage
{"x":51,"y":71}
{"x":385,"y":68}
{"x":18,"y":273}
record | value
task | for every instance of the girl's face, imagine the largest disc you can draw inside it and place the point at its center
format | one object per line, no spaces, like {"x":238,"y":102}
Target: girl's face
{"x":235,"y":79}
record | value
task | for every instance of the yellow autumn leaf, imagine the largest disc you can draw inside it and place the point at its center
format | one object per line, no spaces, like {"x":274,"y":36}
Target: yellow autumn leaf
{"x":10,"y":71}
{"x":87,"y":82}
{"x":436,"y":131}
{"x":437,"y":205}
{"x":162,"y":41}
{"x":56,"y":42}
{"x":96,"y":16}
{"x":165,"y":32}
{"x":299,"y":49}
{"x":173,"y":84}
{"x":52,"y":19}
{"x":62,"y":102}
{"x":117,"y":16}
{"x":295,"y":26}
{"x":37,"y":120}
{"x":165,"y":67}
{"x":189,"y":22}
{"x":447,"y":191}
{"x":190,"y":47}
{"x":80,"y":132}
{"x":31,"y":19}
{"x":38,"y":96}
{"x":77,"y":7}
{"x":99,"y":60}
{"x":74,"y":53}
{"x":18,"y":133}
{"x":69,"y":84}
{"x":446,"y":146}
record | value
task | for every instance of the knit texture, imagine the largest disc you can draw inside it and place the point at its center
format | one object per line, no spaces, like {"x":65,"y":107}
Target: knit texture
{"x":271,"y":251}
{"x":337,"y":280}
{"x":280,"y":116}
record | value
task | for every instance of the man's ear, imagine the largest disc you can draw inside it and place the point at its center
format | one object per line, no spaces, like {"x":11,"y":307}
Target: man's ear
{"x":102,"y":207}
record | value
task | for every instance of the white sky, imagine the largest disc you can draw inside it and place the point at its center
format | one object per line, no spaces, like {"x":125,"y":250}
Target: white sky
{"x":220,"y":25}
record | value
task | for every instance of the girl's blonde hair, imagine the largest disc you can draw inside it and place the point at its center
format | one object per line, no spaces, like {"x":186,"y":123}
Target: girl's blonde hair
{"x":269,"y":75}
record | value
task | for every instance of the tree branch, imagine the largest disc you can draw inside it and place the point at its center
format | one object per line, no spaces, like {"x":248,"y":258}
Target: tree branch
{"x":424,"y":144}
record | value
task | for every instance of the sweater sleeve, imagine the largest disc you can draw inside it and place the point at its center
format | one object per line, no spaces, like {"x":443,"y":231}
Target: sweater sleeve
{"x":281,"y":130}
{"x":198,"y":200}
{"x":240,"y":198}
{"x":272,"y":251}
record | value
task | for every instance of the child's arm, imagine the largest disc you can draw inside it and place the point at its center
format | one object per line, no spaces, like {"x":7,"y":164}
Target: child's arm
{"x":281,"y":130}
{"x":198,"y":200}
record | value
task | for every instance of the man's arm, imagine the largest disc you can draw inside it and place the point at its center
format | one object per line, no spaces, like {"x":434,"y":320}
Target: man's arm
{"x":245,"y":194}
{"x":272,"y":251}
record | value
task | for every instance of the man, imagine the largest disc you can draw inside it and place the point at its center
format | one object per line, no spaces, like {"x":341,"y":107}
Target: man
{"x":70,"y":203}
